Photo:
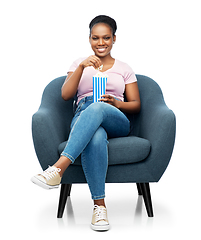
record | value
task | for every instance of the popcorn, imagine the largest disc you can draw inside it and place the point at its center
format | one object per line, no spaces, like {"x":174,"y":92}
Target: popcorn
{"x":99,"y":86}
{"x":99,"y":68}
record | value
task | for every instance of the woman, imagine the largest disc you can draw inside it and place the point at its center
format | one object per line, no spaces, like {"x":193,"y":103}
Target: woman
{"x":94,"y":123}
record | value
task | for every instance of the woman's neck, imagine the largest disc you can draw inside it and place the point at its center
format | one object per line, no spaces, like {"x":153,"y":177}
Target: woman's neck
{"x":107,"y":60}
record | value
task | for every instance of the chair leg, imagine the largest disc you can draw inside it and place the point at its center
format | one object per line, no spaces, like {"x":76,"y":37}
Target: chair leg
{"x":147,"y":198}
{"x":64,"y":193}
{"x":69,"y":190}
{"x":139,"y":189}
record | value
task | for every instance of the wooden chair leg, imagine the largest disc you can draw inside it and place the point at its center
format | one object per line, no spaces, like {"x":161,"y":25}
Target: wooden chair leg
{"x":64,"y":193}
{"x":147,"y":198}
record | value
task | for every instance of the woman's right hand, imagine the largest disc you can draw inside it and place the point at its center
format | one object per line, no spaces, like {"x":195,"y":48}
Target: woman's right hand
{"x":93,"y":61}
{"x":71,"y":83}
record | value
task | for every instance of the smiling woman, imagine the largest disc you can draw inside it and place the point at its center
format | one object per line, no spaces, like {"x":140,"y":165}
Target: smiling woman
{"x":102,"y":40}
{"x":102,"y":35}
{"x":93,"y":123}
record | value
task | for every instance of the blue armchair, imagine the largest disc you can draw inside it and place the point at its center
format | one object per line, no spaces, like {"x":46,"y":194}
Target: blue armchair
{"x":141,"y":158}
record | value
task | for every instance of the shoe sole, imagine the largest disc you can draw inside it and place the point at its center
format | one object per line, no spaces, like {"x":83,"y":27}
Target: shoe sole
{"x":100,"y":228}
{"x":42,"y":184}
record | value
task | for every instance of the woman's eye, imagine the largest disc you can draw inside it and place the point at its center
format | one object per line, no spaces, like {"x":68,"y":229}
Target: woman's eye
{"x":105,"y":38}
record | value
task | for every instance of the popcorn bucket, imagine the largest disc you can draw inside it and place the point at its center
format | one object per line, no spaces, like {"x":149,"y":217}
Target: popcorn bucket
{"x":99,"y":86}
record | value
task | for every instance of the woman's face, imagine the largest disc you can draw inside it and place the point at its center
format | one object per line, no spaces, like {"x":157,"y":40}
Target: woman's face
{"x":101,"y":39}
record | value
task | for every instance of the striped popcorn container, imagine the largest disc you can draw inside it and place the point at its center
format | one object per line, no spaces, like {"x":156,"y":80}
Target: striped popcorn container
{"x":99,"y":86}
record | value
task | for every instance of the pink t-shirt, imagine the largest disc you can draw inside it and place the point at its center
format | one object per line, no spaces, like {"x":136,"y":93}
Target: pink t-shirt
{"x":118,"y":76}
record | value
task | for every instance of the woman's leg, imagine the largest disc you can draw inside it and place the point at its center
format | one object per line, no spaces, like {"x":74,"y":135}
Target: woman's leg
{"x":62,"y":164}
{"x":86,"y":124}
{"x":110,"y":118}
{"x":95,"y":163}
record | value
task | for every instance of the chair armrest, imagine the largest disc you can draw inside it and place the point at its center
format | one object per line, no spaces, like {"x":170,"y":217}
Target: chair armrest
{"x":48,"y":131}
{"x":158,"y":125}
{"x":51,"y":123}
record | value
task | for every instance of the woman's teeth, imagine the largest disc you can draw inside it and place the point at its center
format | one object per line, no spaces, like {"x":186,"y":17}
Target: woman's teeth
{"x":101,"y":49}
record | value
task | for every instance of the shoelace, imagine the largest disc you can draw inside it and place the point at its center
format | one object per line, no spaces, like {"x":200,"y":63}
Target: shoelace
{"x":100,"y":213}
{"x":50,"y":172}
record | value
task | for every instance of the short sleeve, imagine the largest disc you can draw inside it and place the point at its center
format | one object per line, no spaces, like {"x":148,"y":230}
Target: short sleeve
{"x":129,"y":75}
{"x":75,"y":64}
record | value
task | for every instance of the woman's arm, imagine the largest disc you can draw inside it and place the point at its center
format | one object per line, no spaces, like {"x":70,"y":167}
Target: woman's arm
{"x":71,"y":83}
{"x":133,"y":99}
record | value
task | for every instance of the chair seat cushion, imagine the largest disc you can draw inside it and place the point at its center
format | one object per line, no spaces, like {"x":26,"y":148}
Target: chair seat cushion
{"x":122,"y":150}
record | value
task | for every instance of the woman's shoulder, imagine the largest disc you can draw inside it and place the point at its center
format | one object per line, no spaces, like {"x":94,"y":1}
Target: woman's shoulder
{"x":123,"y":66}
{"x":79,"y":60}
{"x":126,"y":71}
{"x":75,"y":64}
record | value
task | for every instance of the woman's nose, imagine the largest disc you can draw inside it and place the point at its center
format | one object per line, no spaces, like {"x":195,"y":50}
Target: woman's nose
{"x":101,"y":41}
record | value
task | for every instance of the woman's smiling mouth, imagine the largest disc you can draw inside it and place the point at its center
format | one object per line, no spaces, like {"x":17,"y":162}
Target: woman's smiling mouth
{"x":101,"y":50}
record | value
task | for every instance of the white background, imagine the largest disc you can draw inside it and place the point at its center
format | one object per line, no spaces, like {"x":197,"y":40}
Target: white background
{"x":38,"y":41}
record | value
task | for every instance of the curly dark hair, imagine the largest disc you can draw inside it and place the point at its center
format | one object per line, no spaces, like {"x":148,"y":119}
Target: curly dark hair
{"x":104,"y":19}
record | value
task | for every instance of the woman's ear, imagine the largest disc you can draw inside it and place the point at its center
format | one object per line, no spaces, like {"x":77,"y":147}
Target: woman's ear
{"x":114,"y":39}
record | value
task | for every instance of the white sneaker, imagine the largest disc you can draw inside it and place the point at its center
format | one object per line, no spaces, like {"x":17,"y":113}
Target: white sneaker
{"x":99,"y":219}
{"x":49,"y":179}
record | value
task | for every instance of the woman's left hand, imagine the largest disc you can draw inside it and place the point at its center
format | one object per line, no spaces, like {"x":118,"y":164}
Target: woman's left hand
{"x":110,"y":100}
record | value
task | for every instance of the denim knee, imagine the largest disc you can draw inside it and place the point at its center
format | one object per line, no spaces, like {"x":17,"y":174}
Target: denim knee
{"x":99,"y":136}
{"x":97,"y":107}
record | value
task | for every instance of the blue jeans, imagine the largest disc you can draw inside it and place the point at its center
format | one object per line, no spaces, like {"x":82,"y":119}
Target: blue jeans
{"x":92,"y":125}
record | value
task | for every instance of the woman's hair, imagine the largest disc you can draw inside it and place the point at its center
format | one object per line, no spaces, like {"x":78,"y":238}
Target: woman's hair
{"x":104,"y":19}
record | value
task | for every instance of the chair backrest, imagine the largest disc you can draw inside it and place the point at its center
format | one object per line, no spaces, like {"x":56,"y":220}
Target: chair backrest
{"x":61,"y":111}
{"x":151,"y":97}
{"x":150,"y":92}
